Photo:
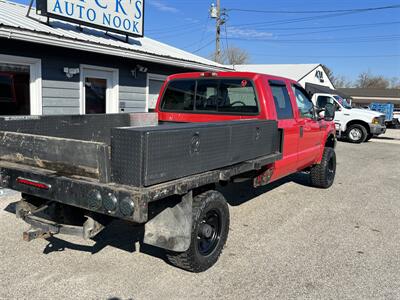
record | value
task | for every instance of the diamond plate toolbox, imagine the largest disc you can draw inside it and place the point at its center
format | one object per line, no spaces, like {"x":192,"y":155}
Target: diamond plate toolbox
{"x":146,"y":156}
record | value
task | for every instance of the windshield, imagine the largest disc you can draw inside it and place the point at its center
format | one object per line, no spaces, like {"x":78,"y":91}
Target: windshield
{"x":342,"y":102}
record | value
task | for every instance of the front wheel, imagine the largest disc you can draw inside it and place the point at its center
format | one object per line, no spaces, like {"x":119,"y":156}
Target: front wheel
{"x":209,"y":233}
{"x":323,"y":174}
{"x":356,"y":134}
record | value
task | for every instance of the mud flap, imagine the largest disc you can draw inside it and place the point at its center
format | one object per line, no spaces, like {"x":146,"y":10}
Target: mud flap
{"x":172,"y":228}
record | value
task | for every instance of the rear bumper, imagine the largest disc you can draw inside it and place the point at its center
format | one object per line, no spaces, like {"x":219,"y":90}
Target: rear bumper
{"x":112,"y":200}
{"x":377,"y":129}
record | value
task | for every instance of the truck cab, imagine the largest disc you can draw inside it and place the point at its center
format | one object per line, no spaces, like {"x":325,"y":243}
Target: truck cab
{"x":356,"y":125}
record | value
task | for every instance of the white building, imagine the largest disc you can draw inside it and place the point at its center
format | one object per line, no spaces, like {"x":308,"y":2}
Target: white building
{"x":305,"y":74}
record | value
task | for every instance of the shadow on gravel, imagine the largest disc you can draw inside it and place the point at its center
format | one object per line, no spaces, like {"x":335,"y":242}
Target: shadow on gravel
{"x":386,"y":138}
{"x":239,"y":193}
{"x":11,"y":208}
{"x":118,"y":234}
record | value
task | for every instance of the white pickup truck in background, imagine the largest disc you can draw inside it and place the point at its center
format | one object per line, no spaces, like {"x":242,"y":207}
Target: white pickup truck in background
{"x":356,"y":125}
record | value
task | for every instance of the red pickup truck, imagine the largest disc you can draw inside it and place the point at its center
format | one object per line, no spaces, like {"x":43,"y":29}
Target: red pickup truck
{"x":162,"y":169}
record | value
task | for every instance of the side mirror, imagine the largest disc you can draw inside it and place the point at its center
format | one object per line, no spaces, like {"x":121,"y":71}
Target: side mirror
{"x":329,"y":112}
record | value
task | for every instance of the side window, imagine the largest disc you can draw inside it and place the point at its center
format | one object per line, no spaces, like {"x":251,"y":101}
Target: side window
{"x":179,"y":95}
{"x":323,"y":100}
{"x":283,"y":105}
{"x":304,"y":104}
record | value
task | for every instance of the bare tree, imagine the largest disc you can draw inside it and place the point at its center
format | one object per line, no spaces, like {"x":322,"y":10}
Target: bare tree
{"x":337,"y":81}
{"x":233,"y":56}
{"x":342,"y":82}
{"x":236,"y":56}
{"x":367,"y":80}
{"x":395,"y":83}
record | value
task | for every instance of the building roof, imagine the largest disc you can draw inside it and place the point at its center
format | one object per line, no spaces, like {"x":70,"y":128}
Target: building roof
{"x":292,"y":71}
{"x":14,"y":24}
{"x":374,"y":93}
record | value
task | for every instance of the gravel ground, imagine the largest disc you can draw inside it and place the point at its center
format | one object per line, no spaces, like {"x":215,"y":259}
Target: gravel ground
{"x":392,"y":135}
{"x":289,"y":242}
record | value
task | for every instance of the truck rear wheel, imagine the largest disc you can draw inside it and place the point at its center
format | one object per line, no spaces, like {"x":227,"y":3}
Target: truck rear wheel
{"x":209,"y":233}
{"x":323,"y":174}
{"x":356,"y":134}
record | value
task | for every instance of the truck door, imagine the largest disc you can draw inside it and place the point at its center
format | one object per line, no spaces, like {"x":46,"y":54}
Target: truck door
{"x":287,"y":122}
{"x":308,"y":129}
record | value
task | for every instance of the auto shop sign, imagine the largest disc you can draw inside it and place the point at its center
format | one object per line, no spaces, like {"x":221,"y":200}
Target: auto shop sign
{"x":121,"y":16}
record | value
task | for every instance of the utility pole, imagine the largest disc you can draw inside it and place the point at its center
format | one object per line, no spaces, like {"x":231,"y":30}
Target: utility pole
{"x":220,"y":20}
{"x":218,"y":34}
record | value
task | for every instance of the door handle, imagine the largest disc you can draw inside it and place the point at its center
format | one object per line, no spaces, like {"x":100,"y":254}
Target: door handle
{"x":301,"y":131}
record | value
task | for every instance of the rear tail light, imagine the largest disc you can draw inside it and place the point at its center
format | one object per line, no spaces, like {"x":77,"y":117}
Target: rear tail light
{"x":33,"y":183}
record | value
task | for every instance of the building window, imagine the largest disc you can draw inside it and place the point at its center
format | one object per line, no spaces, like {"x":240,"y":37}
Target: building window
{"x":14,"y":89}
{"x":96,"y":94}
{"x":20,"y":85}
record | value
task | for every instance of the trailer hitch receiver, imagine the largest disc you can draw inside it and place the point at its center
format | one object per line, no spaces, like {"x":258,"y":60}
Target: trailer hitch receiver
{"x":43,"y":228}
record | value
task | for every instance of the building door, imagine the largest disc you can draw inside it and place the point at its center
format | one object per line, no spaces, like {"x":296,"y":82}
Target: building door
{"x":154,"y":84}
{"x":99,"y":90}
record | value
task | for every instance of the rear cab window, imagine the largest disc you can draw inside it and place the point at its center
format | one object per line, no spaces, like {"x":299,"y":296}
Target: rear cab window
{"x":208,"y":95}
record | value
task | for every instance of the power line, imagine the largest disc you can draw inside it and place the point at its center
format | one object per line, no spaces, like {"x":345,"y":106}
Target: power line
{"x":356,"y":39}
{"x":204,"y":30}
{"x":298,"y":20}
{"x":334,"y":29}
{"x":314,"y":11}
{"x":226,"y":38}
{"x":334,"y":26}
{"x":204,"y":46}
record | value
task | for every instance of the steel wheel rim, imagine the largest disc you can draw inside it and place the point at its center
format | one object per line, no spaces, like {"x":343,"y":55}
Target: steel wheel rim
{"x":355,"y":134}
{"x":209,"y":233}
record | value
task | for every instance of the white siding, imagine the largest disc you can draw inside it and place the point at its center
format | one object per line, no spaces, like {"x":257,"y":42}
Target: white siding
{"x":132,"y":99}
{"x":60,"y":97}
{"x":311,"y":78}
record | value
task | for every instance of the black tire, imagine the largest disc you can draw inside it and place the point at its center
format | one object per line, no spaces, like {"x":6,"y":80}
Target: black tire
{"x":208,"y":208}
{"x":323,"y":174}
{"x":369,"y":136}
{"x":356,"y":134}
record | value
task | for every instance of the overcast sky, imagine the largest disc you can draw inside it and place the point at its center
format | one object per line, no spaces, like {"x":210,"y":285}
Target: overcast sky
{"x":287,"y":31}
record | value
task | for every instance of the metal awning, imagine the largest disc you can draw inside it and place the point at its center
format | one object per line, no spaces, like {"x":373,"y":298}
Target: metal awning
{"x":312,"y":88}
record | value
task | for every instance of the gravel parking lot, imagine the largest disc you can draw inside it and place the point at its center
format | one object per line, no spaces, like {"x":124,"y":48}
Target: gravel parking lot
{"x":290,"y":241}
